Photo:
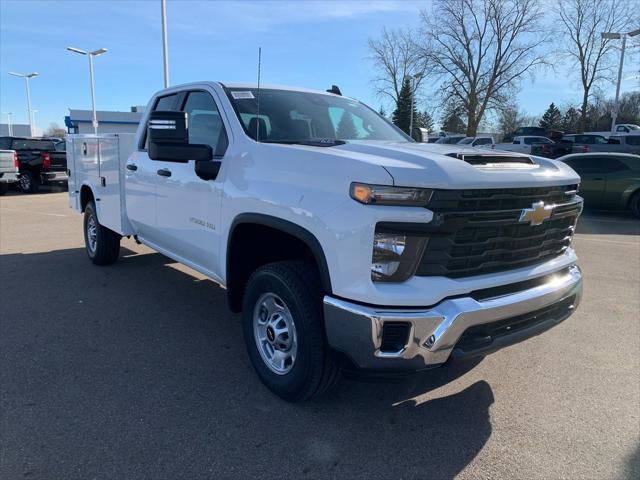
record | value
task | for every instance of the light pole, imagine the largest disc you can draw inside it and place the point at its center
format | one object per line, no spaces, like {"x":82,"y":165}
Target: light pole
{"x":95,"y":53}
{"x":165,"y":48}
{"x":27,"y":77}
{"x":9,"y":126}
{"x":617,"y":36}
{"x":412,"y":79}
{"x":35,"y":124}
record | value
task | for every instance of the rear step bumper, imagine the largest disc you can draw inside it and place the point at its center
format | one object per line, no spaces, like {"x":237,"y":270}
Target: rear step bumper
{"x":395,"y":339}
{"x":54,"y":176}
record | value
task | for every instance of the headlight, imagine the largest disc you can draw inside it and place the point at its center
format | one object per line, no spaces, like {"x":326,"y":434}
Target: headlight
{"x":385,"y":195}
{"x":395,"y":257}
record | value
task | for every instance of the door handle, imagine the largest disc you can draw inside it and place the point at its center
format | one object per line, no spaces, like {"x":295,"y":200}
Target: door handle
{"x":132,"y":166}
{"x":163,"y":172}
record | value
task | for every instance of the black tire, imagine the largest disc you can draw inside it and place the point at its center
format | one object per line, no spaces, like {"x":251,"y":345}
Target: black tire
{"x":298,"y":286}
{"x":28,"y":183}
{"x":102,"y":245}
{"x":634,"y":204}
{"x":4,"y":188}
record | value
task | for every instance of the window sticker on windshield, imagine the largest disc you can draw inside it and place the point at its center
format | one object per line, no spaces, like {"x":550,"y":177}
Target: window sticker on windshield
{"x":242,"y":95}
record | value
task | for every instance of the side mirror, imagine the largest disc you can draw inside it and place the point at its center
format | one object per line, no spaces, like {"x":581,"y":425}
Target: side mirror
{"x":168,"y":136}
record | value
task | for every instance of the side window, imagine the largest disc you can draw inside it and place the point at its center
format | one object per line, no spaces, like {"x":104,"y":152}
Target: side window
{"x":163,"y":104}
{"x":614,"y":140}
{"x":597,"y":165}
{"x":614,"y":165}
{"x":620,"y":128}
{"x":204,"y":122}
{"x":61,"y":146}
{"x":482,"y":141}
{"x":633,"y":140}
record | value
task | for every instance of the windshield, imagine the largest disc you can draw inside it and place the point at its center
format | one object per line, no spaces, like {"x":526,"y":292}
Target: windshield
{"x":287,"y":116}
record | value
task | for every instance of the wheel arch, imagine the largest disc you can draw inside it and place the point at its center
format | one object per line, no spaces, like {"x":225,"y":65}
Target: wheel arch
{"x":86,"y":195}
{"x":236,"y":276}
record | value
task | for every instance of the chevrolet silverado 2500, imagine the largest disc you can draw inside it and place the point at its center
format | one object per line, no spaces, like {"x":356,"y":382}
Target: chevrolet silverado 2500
{"x":344,"y":243}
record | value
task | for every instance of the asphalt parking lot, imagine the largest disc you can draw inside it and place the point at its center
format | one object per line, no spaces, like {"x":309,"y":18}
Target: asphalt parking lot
{"x":138,"y":370}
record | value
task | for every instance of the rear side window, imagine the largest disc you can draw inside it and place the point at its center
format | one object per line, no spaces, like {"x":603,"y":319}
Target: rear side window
{"x":587,"y":165}
{"x":614,"y":140}
{"x":482,"y":141}
{"x":633,"y":140}
{"x":205,"y":123}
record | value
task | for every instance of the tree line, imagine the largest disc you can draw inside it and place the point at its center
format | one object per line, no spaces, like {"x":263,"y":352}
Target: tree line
{"x":474,"y":55}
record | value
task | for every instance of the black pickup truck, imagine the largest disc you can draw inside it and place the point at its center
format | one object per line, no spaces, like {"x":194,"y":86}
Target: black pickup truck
{"x":41,"y":161}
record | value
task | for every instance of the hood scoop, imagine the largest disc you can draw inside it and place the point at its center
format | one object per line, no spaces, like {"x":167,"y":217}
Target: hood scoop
{"x":494,"y":160}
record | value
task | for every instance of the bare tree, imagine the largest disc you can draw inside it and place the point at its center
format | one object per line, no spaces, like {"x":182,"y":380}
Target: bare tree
{"x":582,"y":22}
{"x":396,"y":56}
{"x":482,"y":48}
{"x":55,"y":131}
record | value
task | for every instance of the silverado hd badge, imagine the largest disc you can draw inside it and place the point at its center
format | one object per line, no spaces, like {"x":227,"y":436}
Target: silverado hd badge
{"x":537,"y":214}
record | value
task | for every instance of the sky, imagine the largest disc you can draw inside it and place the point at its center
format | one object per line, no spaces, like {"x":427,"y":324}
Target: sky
{"x":304,"y":43}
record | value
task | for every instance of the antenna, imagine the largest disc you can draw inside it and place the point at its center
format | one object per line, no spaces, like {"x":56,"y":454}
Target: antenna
{"x":258,"y":95}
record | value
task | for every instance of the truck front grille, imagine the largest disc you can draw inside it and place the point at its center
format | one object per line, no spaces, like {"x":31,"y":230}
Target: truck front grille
{"x":479,"y":231}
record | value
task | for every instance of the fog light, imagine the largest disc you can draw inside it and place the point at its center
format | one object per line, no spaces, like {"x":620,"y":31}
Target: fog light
{"x":395,"y":257}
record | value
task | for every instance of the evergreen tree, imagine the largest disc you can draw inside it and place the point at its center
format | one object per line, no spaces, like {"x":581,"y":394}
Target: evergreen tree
{"x":424,"y":120}
{"x":346,"y":128}
{"x":401,"y":116}
{"x":552,"y":118}
{"x":452,"y":121}
{"x":571,"y":120}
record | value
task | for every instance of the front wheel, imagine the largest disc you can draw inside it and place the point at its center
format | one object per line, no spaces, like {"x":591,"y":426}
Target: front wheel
{"x":102,"y":244}
{"x":284,"y":332}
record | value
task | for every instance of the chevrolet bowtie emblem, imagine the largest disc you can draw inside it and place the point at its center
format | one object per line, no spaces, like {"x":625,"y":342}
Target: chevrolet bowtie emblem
{"x":537,"y":214}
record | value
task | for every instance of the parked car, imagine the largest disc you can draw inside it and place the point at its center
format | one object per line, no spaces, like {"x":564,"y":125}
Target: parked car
{"x":9,"y":171}
{"x":476,"y":141}
{"x":585,"y":139}
{"x":619,"y":129}
{"x":608,"y":180}
{"x":368,"y":252}
{"x":450,"y":139}
{"x":41,"y":161}
{"x":615,"y":143}
{"x":521,"y":144}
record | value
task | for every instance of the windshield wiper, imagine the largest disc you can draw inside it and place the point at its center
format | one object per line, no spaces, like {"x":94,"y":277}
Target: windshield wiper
{"x":311,"y":142}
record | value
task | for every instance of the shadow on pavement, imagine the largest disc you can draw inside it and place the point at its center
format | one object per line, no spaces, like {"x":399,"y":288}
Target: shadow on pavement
{"x":138,"y":370}
{"x":608,"y":223}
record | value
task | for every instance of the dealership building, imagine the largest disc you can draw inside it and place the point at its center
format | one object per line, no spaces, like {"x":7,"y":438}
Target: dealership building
{"x":80,"y":121}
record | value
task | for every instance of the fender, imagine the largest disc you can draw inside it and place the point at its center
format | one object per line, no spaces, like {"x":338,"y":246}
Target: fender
{"x":628,"y":192}
{"x":290,"y":228}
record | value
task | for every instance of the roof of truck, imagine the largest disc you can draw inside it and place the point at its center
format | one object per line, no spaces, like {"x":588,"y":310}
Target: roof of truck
{"x":273,"y":87}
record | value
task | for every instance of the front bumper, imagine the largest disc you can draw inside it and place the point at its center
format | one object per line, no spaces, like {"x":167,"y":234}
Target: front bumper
{"x":435,"y":334}
{"x":54,"y":176}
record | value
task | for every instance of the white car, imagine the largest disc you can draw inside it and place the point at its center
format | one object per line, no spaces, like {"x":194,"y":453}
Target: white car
{"x":476,"y":141}
{"x":344,"y":243}
{"x":521,"y":144}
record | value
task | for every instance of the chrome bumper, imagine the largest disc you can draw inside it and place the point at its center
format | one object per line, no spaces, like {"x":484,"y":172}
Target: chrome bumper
{"x":9,"y":177}
{"x":356,"y":330}
{"x":54,"y":176}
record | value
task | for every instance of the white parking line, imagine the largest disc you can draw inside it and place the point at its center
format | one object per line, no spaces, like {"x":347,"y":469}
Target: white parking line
{"x":34,"y":211}
{"x":587,"y":237}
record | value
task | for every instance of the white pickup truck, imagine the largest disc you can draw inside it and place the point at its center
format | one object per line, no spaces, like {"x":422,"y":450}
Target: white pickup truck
{"x":521,"y":144}
{"x":344,"y":243}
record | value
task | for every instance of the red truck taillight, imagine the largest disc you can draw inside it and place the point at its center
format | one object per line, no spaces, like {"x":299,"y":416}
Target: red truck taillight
{"x":46,"y":161}
{"x":16,"y":163}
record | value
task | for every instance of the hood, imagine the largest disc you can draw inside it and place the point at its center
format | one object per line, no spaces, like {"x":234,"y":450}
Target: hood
{"x":432,"y":166}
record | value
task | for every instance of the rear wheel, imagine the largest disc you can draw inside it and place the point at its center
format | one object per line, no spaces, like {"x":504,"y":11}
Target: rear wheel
{"x":634,"y":204}
{"x":284,"y":331}
{"x":29,"y":182}
{"x":102,"y":244}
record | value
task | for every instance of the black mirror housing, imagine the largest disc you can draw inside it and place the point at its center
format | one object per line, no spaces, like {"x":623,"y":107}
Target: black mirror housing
{"x":168,"y":136}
